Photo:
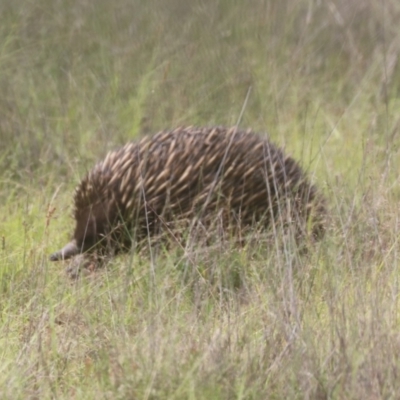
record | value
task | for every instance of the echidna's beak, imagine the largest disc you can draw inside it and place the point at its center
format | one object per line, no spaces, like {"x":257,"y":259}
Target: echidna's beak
{"x":68,"y":251}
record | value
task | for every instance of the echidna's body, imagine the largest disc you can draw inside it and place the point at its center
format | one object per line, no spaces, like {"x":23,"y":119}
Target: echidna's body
{"x":190,"y":174}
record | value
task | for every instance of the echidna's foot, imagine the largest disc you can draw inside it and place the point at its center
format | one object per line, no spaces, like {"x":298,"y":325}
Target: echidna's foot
{"x":81,"y":265}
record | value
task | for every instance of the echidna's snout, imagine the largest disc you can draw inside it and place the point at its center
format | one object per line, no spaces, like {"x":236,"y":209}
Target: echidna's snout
{"x":68,"y":251}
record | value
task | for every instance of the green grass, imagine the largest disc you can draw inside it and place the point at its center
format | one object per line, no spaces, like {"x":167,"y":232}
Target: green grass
{"x":322,"y":78}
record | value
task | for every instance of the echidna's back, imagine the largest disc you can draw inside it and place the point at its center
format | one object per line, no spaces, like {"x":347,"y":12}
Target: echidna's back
{"x":195,"y":172}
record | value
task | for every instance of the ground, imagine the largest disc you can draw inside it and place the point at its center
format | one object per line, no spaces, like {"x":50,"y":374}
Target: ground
{"x":322,"y":79}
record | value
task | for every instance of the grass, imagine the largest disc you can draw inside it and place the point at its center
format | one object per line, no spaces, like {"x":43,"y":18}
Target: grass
{"x":322,"y":78}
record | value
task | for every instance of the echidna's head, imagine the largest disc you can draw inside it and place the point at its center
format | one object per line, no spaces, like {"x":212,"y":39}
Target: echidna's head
{"x":90,"y":232}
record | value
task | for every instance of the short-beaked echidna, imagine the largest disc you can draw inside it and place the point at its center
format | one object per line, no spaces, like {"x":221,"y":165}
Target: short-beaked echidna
{"x":198,"y":175}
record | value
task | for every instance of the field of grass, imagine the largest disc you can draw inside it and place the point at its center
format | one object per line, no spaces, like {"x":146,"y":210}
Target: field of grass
{"x":322,"y":78}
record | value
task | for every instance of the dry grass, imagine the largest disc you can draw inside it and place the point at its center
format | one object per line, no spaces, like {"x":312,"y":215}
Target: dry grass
{"x":78,"y":78}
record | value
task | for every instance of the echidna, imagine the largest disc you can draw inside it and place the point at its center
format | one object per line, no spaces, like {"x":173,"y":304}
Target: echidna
{"x":192,"y":175}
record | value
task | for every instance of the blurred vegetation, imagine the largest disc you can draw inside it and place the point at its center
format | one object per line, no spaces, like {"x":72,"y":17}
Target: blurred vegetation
{"x":322,"y":78}
{"x":79,"y":77}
